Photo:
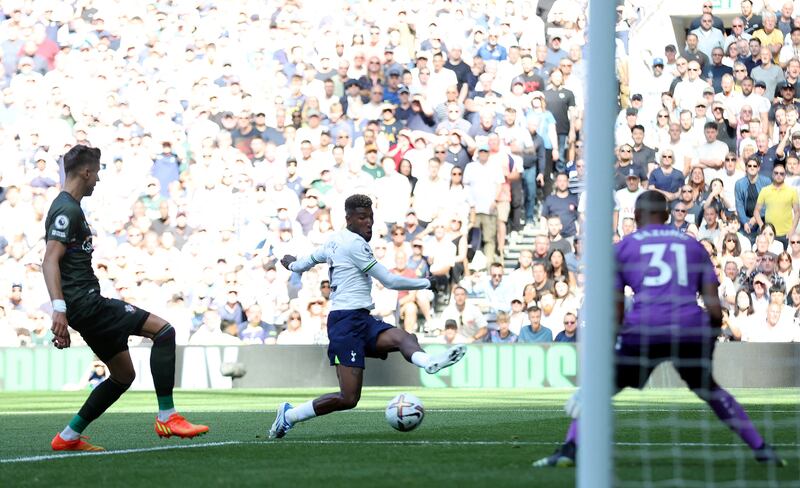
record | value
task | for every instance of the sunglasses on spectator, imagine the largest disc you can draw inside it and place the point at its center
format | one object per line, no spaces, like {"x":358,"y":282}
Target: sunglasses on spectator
{"x":794,"y":242}
{"x":624,"y":150}
{"x":569,"y":322}
{"x":752,"y":166}
{"x":666,"y":156}
{"x":730,"y":159}
{"x":680,"y":210}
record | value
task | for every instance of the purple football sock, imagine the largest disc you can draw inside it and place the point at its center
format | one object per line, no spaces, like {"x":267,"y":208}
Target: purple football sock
{"x":731,"y":413}
{"x":572,"y":432}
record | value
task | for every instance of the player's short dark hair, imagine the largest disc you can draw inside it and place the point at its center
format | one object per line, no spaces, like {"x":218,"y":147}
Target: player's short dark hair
{"x":450,"y":324}
{"x":533,"y":308}
{"x":356,"y":201}
{"x":637,"y":126}
{"x":652,"y":201}
{"x":710,"y":125}
{"x":80,"y":156}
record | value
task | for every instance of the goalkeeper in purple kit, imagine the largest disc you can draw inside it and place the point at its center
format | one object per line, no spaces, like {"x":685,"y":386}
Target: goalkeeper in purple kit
{"x":666,"y":270}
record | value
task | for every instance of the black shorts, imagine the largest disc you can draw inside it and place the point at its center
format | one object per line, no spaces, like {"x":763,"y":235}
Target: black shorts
{"x":353,"y":335}
{"x":692,"y":360}
{"x":106,"y":323}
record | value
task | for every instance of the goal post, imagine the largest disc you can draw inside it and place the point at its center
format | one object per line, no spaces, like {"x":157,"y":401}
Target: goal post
{"x":595,"y":427}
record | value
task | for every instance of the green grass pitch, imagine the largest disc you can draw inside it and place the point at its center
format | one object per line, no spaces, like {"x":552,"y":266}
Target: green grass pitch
{"x":469,"y":438}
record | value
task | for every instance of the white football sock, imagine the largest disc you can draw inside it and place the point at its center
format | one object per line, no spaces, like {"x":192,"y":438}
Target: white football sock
{"x":421,"y":359}
{"x":69,"y":435}
{"x":163,"y":415}
{"x":301,"y":412}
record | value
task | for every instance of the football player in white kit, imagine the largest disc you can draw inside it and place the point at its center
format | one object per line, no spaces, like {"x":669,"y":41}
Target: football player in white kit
{"x":355,"y":334}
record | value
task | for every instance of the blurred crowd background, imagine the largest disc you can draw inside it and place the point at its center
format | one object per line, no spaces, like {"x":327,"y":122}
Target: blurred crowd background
{"x":231,"y":133}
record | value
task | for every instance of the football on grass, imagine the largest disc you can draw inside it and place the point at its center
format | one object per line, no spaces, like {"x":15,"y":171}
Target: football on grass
{"x":405,"y":412}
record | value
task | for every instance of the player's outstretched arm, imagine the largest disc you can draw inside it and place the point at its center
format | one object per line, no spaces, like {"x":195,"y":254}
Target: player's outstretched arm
{"x":51,"y":269}
{"x":304,"y":263}
{"x":397,"y":282}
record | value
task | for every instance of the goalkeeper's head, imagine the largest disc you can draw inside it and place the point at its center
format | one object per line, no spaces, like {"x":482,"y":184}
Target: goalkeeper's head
{"x":651,"y":209}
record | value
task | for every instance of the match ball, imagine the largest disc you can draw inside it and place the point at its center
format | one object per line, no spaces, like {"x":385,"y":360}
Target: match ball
{"x":405,"y":412}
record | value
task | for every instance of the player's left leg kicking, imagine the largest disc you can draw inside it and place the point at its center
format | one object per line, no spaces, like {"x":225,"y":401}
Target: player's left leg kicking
{"x":389,"y":339}
{"x":162,"y":366}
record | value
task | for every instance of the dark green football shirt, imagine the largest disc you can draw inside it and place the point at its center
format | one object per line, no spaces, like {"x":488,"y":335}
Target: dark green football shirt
{"x":66,"y":223}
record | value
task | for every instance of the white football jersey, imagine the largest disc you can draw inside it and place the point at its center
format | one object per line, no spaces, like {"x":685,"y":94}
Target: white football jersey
{"x":349,"y":257}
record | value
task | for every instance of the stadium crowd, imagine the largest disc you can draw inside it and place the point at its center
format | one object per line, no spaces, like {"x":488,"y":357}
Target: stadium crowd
{"x":232,"y":132}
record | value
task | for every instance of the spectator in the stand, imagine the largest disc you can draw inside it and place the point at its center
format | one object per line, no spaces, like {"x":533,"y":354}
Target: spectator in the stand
{"x":557,"y":241}
{"x":535,"y":331}
{"x":502,"y":335}
{"x":295,"y":333}
{"x":257,"y":331}
{"x":770,"y":36}
{"x":210,"y":332}
{"x":557,"y":269}
{"x":715,"y":70}
{"x":561,"y":103}
{"x":471,"y":322}
{"x":794,"y":247}
{"x":767,"y":72}
{"x":678,"y":219}
{"x":778,"y":327}
{"x":710,"y":228}
{"x":569,"y":334}
{"x":780,"y":204}
{"x":564,"y":205}
{"x":522,"y":275}
{"x":708,"y":37}
{"x":483,"y":180}
{"x":752,"y":21}
{"x":441,"y":253}
{"x":625,"y":200}
{"x":666,"y":179}
{"x":410,"y":304}
{"x":232,"y":311}
{"x":692,"y":53}
{"x":747,"y":192}
{"x":624,"y":164}
{"x":643,"y":156}
{"x":541,"y":280}
{"x":541,"y":248}
{"x":450,"y":335}
{"x":497,"y":291}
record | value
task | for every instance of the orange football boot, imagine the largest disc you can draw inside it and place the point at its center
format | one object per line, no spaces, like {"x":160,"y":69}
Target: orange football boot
{"x":59,"y":444}
{"x":179,"y":426}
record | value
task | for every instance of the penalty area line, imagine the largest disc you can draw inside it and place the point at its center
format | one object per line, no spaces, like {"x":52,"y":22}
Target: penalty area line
{"x":421,"y":442}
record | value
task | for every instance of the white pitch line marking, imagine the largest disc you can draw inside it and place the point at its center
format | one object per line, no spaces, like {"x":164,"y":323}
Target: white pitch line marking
{"x":49,"y":457}
{"x":440,"y":410}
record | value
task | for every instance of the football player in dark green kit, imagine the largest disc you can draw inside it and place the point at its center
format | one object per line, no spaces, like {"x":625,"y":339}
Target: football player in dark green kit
{"x":104,"y":323}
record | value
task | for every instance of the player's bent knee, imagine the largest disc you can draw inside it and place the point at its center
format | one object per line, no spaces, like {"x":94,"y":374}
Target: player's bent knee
{"x":348,"y":402}
{"x":124,"y":379}
{"x":166,"y":335}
